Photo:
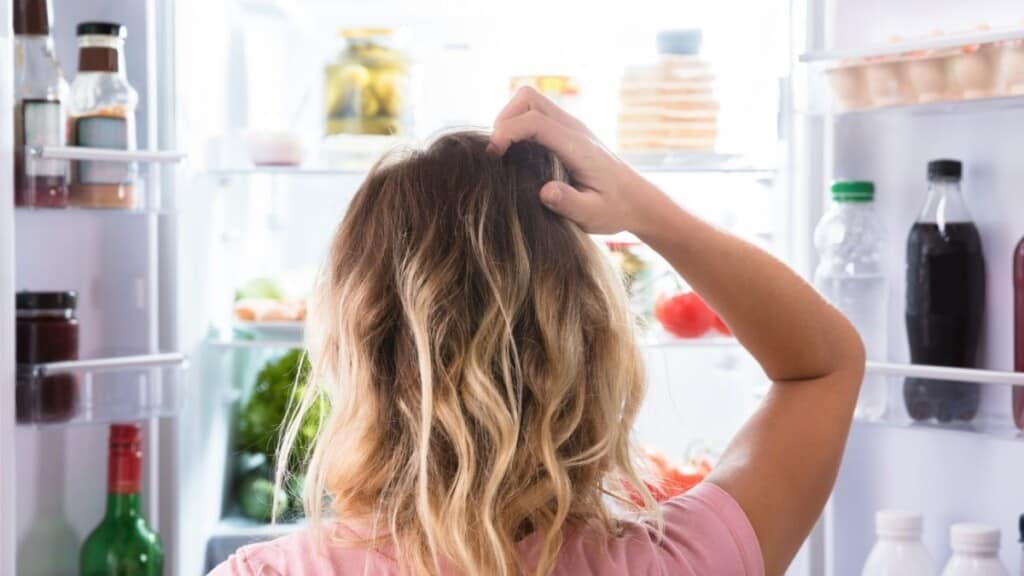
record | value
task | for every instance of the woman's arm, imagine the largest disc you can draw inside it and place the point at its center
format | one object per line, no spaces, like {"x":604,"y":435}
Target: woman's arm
{"x":783,"y":463}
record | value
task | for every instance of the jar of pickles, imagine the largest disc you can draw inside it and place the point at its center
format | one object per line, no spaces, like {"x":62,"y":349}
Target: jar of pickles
{"x":367,"y":87}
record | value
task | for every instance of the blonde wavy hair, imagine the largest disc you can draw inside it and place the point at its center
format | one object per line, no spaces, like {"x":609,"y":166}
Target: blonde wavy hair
{"x":478,"y":357}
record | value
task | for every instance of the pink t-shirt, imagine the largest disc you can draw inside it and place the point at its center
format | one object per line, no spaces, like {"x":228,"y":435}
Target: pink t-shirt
{"x":706,"y":532}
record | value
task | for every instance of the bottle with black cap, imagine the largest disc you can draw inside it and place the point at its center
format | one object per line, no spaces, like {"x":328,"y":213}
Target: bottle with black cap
{"x":103,"y":106}
{"x":945,"y":297}
{"x":39,"y":113}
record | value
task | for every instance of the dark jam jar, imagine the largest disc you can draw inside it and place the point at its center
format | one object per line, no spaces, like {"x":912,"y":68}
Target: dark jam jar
{"x":47,"y":331}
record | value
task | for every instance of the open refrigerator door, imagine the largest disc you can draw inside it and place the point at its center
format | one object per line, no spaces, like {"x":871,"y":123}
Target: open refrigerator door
{"x":888,"y":92}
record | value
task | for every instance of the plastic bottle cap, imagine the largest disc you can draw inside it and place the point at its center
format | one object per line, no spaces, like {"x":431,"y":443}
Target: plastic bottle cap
{"x":853,"y":191}
{"x":898,"y":523}
{"x":101,"y":29}
{"x":974,"y":538}
{"x":945,"y":169}
{"x":1020,"y":527}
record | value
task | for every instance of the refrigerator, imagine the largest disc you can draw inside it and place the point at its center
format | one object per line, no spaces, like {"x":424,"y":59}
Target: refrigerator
{"x":161,"y":343}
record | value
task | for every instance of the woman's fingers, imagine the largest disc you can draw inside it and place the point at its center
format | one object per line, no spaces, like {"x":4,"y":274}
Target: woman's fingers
{"x":528,"y":98}
{"x":568,"y":145}
{"x":584,"y":208}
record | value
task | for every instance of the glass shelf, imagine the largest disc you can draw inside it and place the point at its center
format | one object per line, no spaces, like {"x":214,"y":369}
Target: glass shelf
{"x":116,"y":389}
{"x":647,"y":162}
{"x":657,"y":162}
{"x":288,"y":171}
{"x":78,"y":211}
{"x":689,"y":343}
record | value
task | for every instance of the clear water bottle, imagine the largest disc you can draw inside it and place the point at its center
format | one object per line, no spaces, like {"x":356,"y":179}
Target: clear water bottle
{"x":850,"y":276}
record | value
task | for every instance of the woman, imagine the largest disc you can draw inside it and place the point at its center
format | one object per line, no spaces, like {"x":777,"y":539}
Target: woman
{"x":483,"y":376}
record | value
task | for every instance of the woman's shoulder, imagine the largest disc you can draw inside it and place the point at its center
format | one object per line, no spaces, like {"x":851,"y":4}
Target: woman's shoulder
{"x":302,"y":552}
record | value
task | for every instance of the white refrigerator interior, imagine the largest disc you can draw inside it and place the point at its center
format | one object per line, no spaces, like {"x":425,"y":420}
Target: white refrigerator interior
{"x":214,"y":75}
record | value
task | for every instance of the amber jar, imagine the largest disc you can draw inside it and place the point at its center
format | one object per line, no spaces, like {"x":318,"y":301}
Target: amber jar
{"x":46,"y":331}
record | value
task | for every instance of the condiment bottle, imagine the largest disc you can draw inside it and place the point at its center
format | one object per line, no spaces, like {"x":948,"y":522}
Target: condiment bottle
{"x":102,"y":116}
{"x":46,"y":331}
{"x":975,"y":551}
{"x":39,"y":112}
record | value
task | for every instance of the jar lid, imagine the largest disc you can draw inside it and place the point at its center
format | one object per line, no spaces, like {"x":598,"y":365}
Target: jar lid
{"x":978,"y":538}
{"x":32,"y":17}
{"x":680,"y":42}
{"x":46,"y":300}
{"x":102,"y":29}
{"x":898,"y":523}
{"x":853,"y":191}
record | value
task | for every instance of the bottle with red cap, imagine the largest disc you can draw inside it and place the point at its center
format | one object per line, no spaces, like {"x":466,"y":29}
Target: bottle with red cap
{"x":123,"y":543}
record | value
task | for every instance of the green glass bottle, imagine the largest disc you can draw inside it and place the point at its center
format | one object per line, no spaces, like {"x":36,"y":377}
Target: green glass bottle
{"x":123,"y":545}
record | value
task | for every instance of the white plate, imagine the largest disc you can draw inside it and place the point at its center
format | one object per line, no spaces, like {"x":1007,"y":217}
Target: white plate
{"x":272,"y":330}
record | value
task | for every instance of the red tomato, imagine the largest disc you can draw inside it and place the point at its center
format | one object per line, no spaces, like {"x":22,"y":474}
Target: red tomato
{"x":719,"y":326}
{"x":684,"y":315}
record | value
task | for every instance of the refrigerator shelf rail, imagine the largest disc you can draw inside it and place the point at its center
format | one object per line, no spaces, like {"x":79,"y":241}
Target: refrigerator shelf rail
{"x":102,"y":155}
{"x":946,"y":373}
{"x":100,"y":390}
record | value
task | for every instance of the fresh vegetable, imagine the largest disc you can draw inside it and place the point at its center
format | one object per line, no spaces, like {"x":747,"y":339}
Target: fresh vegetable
{"x":256,"y":498}
{"x":684,"y":315}
{"x":262,"y":418}
{"x":718,"y":325}
{"x":260,"y":288}
{"x":669,"y":480}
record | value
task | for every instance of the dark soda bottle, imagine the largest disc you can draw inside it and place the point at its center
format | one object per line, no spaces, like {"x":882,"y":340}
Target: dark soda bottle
{"x":1018,"y":331}
{"x":945,"y":298}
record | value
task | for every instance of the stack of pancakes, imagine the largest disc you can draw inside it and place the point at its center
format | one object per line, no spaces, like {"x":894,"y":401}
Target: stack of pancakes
{"x":669,"y":106}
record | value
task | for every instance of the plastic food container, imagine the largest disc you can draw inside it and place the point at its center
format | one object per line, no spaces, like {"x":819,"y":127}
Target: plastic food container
{"x":1011,"y":68}
{"x":849,"y":85}
{"x":275,"y":148}
{"x":888,"y":83}
{"x":974,"y":70}
{"x":929,"y":77}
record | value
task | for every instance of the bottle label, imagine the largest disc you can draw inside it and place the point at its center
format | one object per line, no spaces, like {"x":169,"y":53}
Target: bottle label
{"x":42,"y":125}
{"x":109,"y":132}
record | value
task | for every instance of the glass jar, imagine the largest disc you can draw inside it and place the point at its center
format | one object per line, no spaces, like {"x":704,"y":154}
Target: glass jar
{"x":40,"y":109}
{"x":367,"y":87}
{"x":102,"y":116}
{"x":633,"y":263}
{"x":46,"y":331}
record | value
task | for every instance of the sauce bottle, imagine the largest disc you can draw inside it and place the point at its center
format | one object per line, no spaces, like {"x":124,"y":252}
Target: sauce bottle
{"x":39,"y":112}
{"x":102,"y":116}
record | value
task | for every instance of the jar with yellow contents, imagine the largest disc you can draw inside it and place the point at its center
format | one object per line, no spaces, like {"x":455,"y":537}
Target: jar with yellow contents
{"x":367,"y":86}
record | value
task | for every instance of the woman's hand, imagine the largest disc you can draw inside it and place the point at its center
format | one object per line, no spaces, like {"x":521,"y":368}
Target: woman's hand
{"x":608,"y":196}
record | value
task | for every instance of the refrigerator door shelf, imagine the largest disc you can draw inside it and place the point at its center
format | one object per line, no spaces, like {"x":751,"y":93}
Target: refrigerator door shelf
{"x":117,"y":389}
{"x":946,"y":399}
{"x":921,"y":44}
